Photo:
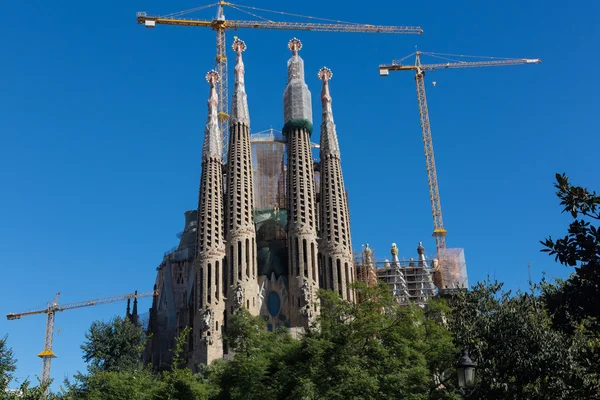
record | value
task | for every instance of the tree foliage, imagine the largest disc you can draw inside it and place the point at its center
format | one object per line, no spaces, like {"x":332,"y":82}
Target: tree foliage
{"x":8,"y":365}
{"x":575,"y":303}
{"x":179,"y":383}
{"x":133,"y":381}
{"x":370,"y":350}
{"x":519,"y":353}
{"x":113,"y":346}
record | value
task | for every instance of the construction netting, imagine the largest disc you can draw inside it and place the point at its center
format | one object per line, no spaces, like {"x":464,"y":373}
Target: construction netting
{"x":270,"y":211}
{"x":451,"y":271}
{"x":270,"y":214}
{"x":268,"y":160}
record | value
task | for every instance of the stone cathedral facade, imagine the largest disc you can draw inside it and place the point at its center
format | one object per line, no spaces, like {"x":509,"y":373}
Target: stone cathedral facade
{"x":270,"y":259}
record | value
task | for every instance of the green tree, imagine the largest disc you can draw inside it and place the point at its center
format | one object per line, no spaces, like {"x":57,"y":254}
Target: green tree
{"x":520,"y":354}
{"x":370,"y":350}
{"x":251,"y":373}
{"x":25,"y":391}
{"x":8,"y":364}
{"x":373,"y":349}
{"x":113,"y":385}
{"x":180,"y":383}
{"x":575,"y":302}
{"x":113,"y":346}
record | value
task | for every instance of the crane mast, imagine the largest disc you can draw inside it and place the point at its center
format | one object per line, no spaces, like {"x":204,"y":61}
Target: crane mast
{"x":220,"y":24}
{"x":434,"y":192}
{"x":223,"y":82}
{"x":47,"y":354}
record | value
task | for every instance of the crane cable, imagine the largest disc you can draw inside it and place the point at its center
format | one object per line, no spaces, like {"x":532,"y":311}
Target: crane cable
{"x":294,"y":15}
{"x":249,"y":13}
{"x":191,"y":10}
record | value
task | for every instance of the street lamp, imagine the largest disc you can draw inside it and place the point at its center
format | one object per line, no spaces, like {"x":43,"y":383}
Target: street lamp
{"x":466,"y":371}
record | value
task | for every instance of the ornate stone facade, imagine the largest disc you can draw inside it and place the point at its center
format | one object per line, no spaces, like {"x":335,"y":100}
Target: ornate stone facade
{"x":208,"y":300}
{"x":301,"y":199}
{"x":335,"y":246}
{"x":263,"y":254}
{"x":241,"y":269}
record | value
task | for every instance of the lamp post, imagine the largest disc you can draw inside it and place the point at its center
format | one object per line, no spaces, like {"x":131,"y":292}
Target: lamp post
{"x":465,"y":370}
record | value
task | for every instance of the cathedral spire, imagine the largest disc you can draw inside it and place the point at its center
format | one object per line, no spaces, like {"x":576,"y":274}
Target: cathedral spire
{"x":241,"y":273}
{"x":134,"y":313}
{"x":297,"y":108}
{"x":239,"y":101}
{"x":329,"y":141}
{"x":210,"y":249}
{"x":212,"y":138}
{"x":335,"y":245}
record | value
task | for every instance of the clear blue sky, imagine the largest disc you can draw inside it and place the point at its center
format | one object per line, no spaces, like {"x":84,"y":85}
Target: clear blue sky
{"x":102,"y":123}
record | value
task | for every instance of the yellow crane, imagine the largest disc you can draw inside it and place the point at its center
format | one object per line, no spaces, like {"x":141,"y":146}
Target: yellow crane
{"x":449,"y":62}
{"x":220,"y":24}
{"x":53,"y":307}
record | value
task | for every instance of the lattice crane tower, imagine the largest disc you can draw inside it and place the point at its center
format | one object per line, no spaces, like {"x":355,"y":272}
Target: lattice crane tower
{"x":220,"y":25}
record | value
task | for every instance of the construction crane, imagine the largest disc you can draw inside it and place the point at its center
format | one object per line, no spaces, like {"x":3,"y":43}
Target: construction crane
{"x":449,"y":62}
{"x":220,"y":25}
{"x":47,"y":354}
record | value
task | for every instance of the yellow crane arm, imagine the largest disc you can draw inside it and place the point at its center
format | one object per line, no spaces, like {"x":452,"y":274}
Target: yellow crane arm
{"x":395,"y":66}
{"x":151,"y":21}
{"x":86,"y":303}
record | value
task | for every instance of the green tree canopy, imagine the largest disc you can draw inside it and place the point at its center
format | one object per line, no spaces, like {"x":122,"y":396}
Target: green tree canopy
{"x":113,"y":346}
{"x":520,"y":354}
{"x":576,"y":301}
{"x":370,"y":350}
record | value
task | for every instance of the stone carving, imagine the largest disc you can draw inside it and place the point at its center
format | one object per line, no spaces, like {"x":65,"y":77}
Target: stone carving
{"x":306,"y":311}
{"x":238,"y":296}
{"x":206,"y":319}
{"x":207,"y":339}
{"x":305,"y":292}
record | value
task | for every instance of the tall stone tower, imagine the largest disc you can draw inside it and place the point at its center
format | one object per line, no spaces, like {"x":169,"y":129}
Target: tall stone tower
{"x":302,"y":223}
{"x":210,"y":250}
{"x":335,"y":247}
{"x":241,"y":269}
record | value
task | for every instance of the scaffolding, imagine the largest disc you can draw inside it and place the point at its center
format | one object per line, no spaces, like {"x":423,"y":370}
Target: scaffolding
{"x":268,"y":159}
{"x":452,"y":270}
{"x":410,"y":281}
{"x":365,"y":266}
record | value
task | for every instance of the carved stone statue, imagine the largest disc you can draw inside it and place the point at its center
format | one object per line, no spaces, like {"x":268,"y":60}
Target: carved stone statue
{"x":238,"y":296}
{"x":306,"y":311}
{"x":305,"y":292}
{"x":206,"y":319}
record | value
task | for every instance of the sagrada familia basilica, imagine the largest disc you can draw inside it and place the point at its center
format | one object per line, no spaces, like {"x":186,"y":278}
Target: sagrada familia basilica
{"x":272,"y":227}
{"x":270,"y":259}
